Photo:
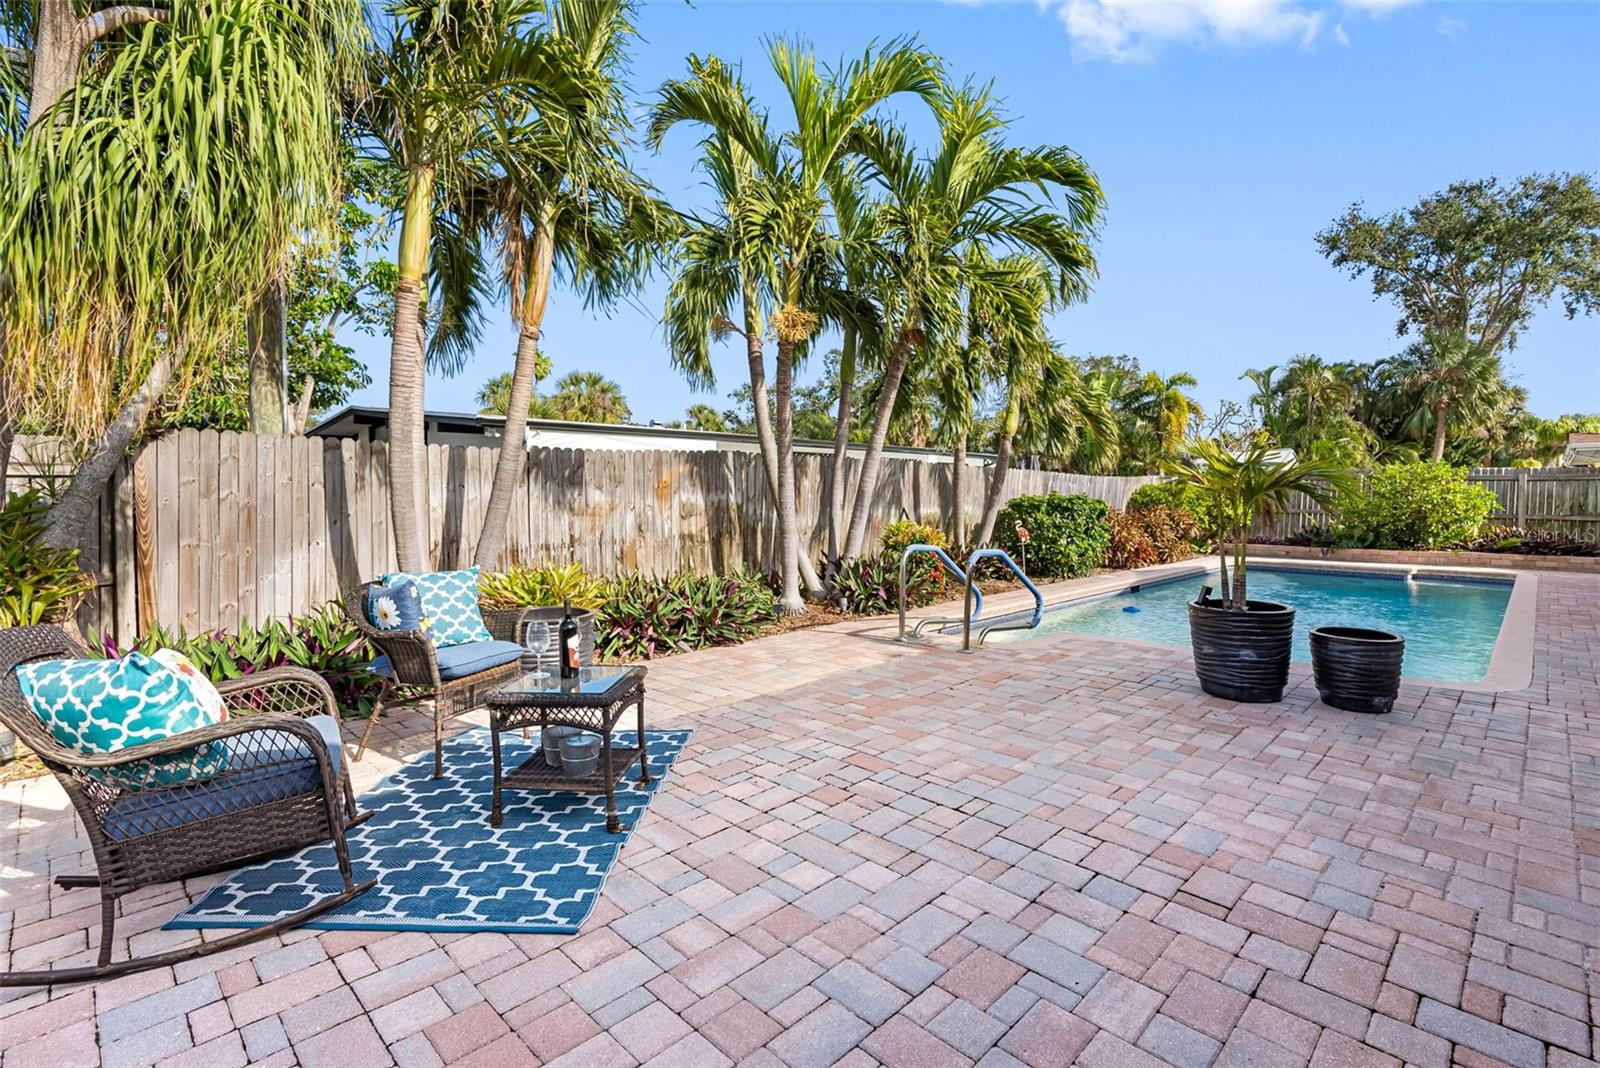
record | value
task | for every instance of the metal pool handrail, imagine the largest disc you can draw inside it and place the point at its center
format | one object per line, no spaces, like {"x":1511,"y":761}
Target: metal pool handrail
{"x":950,"y":565}
{"x":966,"y":615}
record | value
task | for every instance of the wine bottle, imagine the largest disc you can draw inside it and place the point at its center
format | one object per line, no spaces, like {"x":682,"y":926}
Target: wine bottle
{"x":568,"y":644}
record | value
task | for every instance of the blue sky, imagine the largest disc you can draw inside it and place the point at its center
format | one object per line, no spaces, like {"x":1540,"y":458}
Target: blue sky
{"x":1225,"y":136}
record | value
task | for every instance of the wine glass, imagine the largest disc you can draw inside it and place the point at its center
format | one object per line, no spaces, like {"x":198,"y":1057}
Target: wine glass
{"x":537,"y":639}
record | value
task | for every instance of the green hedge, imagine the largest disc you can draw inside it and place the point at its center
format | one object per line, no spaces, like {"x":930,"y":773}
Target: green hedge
{"x":1067,"y":534}
{"x":1414,"y":506}
{"x":1181,"y":495}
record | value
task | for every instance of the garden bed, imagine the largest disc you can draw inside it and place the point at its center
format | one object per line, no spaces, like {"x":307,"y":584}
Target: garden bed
{"x":1525,"y":562}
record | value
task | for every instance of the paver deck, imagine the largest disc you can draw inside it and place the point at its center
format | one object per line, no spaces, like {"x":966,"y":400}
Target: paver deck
{"x":1048,"y":853}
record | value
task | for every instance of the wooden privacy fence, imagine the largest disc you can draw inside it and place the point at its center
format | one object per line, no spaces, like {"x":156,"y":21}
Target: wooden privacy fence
{"x":1562,"y":499}
{"x":205,"y":530}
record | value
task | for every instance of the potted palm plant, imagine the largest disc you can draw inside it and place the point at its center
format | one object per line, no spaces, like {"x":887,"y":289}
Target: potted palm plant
{"x":1241,"y":647}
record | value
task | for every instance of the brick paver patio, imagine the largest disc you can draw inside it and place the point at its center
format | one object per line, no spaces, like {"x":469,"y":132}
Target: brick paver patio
{"x":1050,"y":853}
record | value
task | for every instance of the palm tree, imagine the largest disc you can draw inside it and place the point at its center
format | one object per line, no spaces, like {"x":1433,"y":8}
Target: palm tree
{"x":494,"y":396}
{"x":1044,"y":202}
{"x":586,"y":397}
{"x":1045,"y":397}
{"x":575,"y":210}
{"x":779,"y":215}
{"x":704,"y":417}
{"x":1241,"y":484}
{"x":134,"y":225}
{"x":446,"y":96}
{"x":1444,"y":376}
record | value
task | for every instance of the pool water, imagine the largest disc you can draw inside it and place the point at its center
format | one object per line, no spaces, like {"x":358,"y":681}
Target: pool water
{"x":1450,"y":627}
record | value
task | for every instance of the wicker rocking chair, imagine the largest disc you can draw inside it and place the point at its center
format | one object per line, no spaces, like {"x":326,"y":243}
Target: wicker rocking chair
{"x":280,"y":787}
{"x":413,"y":672}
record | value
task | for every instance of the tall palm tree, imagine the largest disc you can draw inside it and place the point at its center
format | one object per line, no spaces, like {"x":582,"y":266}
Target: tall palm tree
{"x":134,"y":221}
{"x":1445,"y":376}
{"x":781,"y":214}
{"x":1045,"y":397}
{"x":447,"y":93}
{"x":574,"y":211}
{"x":974,"y":190}
{"x":586,"y":397}
{"x":720,"y":288}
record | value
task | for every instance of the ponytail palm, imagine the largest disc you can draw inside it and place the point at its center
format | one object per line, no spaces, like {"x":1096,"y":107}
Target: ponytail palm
{"x":148,"y":203}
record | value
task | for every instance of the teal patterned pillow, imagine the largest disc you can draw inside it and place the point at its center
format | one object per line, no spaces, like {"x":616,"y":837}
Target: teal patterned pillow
{"x":449,"y":605}
{"x":104,"y":706}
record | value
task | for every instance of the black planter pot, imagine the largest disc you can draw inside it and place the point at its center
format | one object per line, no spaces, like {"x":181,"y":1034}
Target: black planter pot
{"x":1243,"y":656}
{"x":1355,"y":669}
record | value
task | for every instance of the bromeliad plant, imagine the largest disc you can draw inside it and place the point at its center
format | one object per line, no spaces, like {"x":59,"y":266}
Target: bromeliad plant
{"x":325,"y":642}
{"x":38,"y":583}
{"x":525,"y":586}
{"x":645,"y":617}
{"x":1241,"y":485}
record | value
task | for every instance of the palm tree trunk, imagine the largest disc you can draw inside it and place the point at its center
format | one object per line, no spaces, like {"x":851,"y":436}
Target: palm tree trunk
{"x":766,"y":440}
{"x":56,"y":55}
{"x":1002,"y":467}
{"x":839,"y":471}
{"x":790,"y":602}
{"x":265,"y":342}
{"x":408,"y":469}
{"x":993,"y":497}
{"x":958,"y":493}
{"x":1240,"y":595}
{"x":872,"y":461}
{"x":1440,"y":411}
{"x":70,"y":515}
{"x":513,"y":441}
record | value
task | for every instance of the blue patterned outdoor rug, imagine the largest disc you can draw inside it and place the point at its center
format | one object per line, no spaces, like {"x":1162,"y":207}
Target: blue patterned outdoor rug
{"x":439,"y":865}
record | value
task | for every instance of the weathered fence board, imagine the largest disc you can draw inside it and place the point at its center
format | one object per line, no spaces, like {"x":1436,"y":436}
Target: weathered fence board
{"x":205,"y":530}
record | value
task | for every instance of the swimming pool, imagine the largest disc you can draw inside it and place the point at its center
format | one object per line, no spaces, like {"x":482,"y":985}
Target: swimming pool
{"x":1450,"y":624}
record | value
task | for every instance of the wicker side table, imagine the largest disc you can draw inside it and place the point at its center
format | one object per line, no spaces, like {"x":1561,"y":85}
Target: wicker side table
{"x":594,"y":702}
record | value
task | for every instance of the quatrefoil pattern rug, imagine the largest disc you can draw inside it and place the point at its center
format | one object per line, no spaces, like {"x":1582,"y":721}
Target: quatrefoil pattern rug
{"x":439,"y":865}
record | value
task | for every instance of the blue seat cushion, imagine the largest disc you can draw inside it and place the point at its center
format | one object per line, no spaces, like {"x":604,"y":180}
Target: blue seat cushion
{"x":261,"y":766}
{"x":459,"y":661}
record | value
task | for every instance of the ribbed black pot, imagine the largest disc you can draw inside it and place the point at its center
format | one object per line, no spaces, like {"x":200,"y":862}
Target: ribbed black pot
{"x":1243,"y":656}
{"x":1356,"y":669}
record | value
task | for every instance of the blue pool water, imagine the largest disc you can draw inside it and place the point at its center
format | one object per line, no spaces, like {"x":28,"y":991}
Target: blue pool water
{"x":1450,"y":627}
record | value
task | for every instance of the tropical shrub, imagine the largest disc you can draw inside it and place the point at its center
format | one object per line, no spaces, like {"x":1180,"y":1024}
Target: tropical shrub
{"x":900,"y":534}
{"x":525,"y":586}
{"x":1415,"y":506}
{"x":1175,"y":495}
{"x":1157,"y":534}
{"x":325,"y":642}
{"x":1531,"y":543}
{"x":644,"y":617}
{"x":870,"y":585}
{"x":38,"y":583}
{"x":1067,"y":534}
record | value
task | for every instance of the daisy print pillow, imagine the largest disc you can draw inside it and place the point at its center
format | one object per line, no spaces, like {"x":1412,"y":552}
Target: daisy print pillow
{"x":396,"y":606}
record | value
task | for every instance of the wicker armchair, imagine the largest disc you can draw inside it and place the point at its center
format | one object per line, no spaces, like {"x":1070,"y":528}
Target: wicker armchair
{"x":279,"y":789}
{"x":413,"y":673}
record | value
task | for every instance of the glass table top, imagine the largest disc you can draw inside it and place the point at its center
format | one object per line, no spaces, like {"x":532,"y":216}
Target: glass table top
{"x":591,"y":681}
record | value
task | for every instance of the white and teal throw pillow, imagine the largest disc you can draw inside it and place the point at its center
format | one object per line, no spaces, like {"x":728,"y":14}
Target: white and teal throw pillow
{"x":396,"y":607}
{"x":105,"y":706}
{"x":449,"y":605}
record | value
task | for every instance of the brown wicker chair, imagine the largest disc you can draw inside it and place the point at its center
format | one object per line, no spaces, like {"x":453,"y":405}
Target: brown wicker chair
{"x":414,"y":677}
{"x":279,"y":791}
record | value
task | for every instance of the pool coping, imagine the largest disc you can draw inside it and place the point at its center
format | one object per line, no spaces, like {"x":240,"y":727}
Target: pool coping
{"x":1510,"y":661}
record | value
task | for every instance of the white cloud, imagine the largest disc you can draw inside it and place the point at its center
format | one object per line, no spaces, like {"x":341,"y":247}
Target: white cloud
{"x":1132,"y":30}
